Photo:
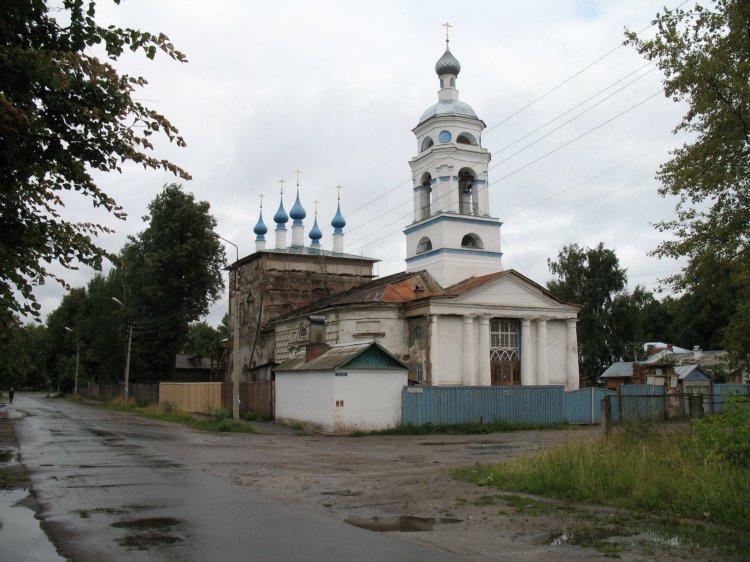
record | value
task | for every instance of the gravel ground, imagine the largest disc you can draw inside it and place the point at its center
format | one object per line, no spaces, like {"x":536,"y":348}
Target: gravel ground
{"x":402,"y":484}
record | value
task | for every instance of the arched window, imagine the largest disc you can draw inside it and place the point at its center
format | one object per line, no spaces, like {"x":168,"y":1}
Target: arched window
{"x":466,"y":138}
{"x":302,"y":333}
{"x":427,"y":143}
{"x":419,"y":335}
{"x":472,"y":241}
{"x":466,"y":202}
{"x":425,"y":196}
{"x":504,"y":340}
{"x":453,"y":82}
{"x":424,"y":245}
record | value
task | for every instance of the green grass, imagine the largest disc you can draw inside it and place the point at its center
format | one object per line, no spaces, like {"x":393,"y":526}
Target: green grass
{"x":457,"y":429}
{"x":661,"y":472}
{"x":217,"y":421}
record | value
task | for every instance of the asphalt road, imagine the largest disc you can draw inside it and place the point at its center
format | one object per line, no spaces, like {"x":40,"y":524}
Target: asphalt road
{"x":107,"y":490}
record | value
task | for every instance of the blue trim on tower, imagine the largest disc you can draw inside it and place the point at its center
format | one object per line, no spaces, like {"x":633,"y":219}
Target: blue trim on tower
{"x":467,"y":251}
{"x":489,"y":221}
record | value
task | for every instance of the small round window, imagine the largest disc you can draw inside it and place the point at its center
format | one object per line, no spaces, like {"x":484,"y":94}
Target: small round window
{"x":445,"y":136}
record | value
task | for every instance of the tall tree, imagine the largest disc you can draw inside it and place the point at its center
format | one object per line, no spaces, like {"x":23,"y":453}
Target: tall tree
{"x":202,"y":339}
{"x":591,"y":277}
{"x":171,"y":272}
{"x":704,"y":53}
{"x":65,"y":113}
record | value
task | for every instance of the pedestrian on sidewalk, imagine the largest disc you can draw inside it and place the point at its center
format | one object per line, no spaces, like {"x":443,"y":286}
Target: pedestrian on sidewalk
{"x":11,"y":393}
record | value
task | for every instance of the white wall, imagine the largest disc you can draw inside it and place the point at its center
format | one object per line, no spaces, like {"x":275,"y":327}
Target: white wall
{"x":372,"y":400}
{"x":450,"y":336}
{"x":305,"y":397}
{"x":384,"y":325}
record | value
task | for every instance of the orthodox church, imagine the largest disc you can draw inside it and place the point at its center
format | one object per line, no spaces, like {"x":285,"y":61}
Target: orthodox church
{"x":454,"y":316}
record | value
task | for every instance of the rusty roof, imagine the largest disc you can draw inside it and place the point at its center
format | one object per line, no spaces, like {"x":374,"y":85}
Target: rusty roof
{"x":392,"y":289}
{"x":471,"y":283}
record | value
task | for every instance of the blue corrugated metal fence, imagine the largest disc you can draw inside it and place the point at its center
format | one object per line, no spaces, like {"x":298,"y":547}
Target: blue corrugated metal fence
{"x":722,"y":392}
{"x":473,"y":404}
{"x":584,"y":406}
{"x":452,"y":405}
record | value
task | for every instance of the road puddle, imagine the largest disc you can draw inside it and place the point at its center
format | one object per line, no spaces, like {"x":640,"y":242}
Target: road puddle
{"x":21,"y":535}
{"x":402,"y":523}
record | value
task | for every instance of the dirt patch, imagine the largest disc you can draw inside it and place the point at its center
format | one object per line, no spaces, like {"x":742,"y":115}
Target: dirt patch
{"x":397,"y":483}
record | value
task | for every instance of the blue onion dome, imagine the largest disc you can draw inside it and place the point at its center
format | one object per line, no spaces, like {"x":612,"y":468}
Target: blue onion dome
{"x":298,"y":212}
{"x":315,"y":233}
{"x":281,"y":218}
{"x":260,"y":228}
{"x":338,"y":222}
{"x":447,"y":64}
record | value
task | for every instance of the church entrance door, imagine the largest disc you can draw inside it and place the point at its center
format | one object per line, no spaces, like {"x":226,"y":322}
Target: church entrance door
{"x":506,"y":373}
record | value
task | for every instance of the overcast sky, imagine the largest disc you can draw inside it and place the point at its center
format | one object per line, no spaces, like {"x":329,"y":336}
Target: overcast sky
{"x":577,"y":127}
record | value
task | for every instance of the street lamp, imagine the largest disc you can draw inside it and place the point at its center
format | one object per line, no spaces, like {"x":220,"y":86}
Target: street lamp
{"x":127,"y":357}
{"x":236,"y":330}
{"x":78,"y":356}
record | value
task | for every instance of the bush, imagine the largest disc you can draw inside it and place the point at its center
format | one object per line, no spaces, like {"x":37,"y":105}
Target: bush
{"x":726,"y":435}
{"x":219,"y":414}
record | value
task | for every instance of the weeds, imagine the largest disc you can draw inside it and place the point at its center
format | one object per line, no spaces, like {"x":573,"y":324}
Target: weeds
{"x":640,"y":467}
{"x":217,"y":419}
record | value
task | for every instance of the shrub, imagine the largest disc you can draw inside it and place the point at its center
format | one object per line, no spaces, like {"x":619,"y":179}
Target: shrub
{"x":219,"y":414}
{"x":726,"y":435}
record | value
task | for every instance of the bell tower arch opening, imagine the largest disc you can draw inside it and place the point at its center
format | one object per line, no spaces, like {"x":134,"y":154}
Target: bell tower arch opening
{"x":467,"y":197}
{"x":425,"y":196}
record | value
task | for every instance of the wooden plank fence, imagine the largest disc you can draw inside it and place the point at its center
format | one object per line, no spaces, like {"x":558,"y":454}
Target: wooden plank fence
{"x":197,"y":397}
{"x":256,"y":399}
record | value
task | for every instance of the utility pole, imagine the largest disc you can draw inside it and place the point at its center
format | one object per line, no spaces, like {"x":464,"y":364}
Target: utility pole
{"x":127,"y":359}
{"x":127,"y":356}
{"x":234,"y":316}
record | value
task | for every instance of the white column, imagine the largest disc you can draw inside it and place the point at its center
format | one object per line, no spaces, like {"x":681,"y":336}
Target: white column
{"x":468,"y":351}
{"x":527,"y":372}
{"x":298,"y":236}
{"x":572,"y":356}
{"x":542,"y":364}
{"x":260,"y":245}
{"x":434,"y":344}
{"x":281,"y":238}
{"x":483,"y":349}
{"x":338,"y":243}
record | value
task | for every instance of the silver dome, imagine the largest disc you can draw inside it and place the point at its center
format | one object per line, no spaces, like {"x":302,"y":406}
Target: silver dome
{"x":447,"y":64}
{"x":448,"y":107}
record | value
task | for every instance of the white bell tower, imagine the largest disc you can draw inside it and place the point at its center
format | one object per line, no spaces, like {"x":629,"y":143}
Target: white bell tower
{"x":452,"y":235}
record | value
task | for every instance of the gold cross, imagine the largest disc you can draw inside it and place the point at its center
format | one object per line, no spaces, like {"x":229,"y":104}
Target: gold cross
{"x":298,"y":173}
{"x":282,"y":182}
{"x":446,"y":25}
{"x":339,"y":188}
{"x":261,"y":201}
